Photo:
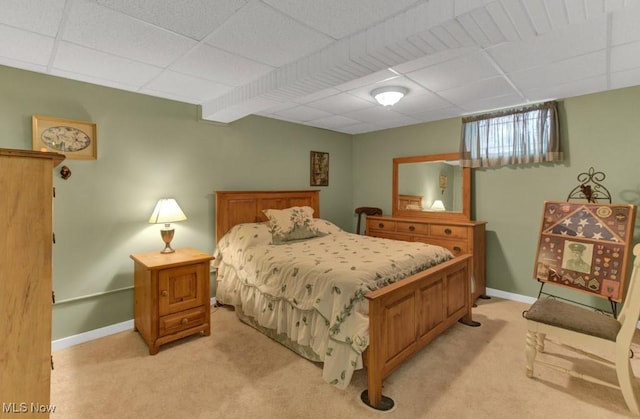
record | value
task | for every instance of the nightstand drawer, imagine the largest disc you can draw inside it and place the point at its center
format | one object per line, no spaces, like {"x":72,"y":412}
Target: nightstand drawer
{"x":448,"y":231}
{"x":181,"y":321}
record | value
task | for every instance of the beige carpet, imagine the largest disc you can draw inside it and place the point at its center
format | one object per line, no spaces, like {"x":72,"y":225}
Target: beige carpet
{"x":239,"y":373}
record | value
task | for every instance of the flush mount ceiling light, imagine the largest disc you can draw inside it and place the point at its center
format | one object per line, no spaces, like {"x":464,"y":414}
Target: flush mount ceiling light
{"x":389,"y":95}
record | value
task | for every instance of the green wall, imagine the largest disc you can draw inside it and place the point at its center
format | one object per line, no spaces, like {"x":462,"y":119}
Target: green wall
{"x":149,"y":148}
{"x":598,"y":130}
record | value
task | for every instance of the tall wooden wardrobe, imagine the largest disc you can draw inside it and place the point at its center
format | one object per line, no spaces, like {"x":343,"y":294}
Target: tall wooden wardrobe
{"x":26,"y":210}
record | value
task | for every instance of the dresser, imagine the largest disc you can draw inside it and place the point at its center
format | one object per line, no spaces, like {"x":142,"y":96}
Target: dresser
{"x":171,"y":295}
{"x":460,"y":237}
{"x":26,"y":210}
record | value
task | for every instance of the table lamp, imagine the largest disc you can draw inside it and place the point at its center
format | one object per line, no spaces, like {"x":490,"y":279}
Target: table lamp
{"x":167,"y":211}
{"x":438,"y":205}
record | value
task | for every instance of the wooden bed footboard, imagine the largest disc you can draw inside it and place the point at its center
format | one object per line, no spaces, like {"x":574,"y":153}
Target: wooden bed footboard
{"x":405,"y":316}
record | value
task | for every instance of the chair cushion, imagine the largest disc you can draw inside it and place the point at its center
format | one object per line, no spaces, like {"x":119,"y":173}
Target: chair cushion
{"x":568,"y":316}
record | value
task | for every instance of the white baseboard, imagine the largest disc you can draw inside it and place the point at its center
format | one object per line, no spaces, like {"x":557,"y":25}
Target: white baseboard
{"x":95,"y":334}
{"x":510,"y":296}
{"x":121,"y":327}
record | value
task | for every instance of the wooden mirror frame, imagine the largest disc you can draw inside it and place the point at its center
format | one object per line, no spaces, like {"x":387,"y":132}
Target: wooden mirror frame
{"x":464,"y":215}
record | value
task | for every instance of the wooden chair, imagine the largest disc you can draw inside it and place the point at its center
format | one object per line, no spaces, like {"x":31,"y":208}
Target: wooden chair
{"x":367,"y":211}
{"x":577,"y":325}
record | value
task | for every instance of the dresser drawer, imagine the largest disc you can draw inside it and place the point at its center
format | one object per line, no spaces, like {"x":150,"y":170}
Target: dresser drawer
{"x":181,"y":321}
{"x":456,"y":247}
{"x":385,"y":225}
{"x":448,"y":231}
{"x":415,"y":228}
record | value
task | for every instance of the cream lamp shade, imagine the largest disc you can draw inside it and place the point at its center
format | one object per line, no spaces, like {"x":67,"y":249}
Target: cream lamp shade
{"x":167,"y":211}
{"x":437,"y":205}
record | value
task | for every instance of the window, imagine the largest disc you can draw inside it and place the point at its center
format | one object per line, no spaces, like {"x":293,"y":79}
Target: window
{"x":514,"y":136}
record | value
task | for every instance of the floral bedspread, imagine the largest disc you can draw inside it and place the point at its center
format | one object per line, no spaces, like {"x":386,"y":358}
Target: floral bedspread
{"x":312,"y":291}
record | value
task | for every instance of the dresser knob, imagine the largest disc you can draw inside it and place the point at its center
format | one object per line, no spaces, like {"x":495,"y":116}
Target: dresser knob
{"x":457,"y":249}
{"x":412,"y":228}
{"x":185,"y":321}
{"x":447,"y":231}
{"x":380,"y":225}
{"x":164,"y":293}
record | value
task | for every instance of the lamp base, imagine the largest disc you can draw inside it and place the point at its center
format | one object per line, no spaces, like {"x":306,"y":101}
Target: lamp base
{"x":167,"y":236}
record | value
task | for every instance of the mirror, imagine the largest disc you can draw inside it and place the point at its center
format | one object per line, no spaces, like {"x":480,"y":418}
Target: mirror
{"x":431,"y":186}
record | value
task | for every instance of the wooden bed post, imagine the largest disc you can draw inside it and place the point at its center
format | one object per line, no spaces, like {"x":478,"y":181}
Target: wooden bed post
{"x":373,"y":395}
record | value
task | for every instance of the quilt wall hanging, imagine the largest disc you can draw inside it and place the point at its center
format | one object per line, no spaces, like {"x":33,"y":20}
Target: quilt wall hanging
{"x":586,"y":247}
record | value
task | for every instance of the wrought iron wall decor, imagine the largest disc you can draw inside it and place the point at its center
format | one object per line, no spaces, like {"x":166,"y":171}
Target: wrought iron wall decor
{"x":590,"y":188}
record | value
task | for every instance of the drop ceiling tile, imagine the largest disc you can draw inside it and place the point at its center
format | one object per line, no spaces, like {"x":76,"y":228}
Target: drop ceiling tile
{"x":340,"y":103}
{"x":333,"y":122}
{"x":38,"y":16}
{"x":487,"y":104}
{"x":625,"y":27}
{"x":339,"y":18}
{"x":552,"y":47}
{"x":433,"y":59}
{"x":518,"y":14}
{"x":192,"y":18}
{"x":93,"y":80}
{"x":566,"y":71}
{"x":506,"y":27}
{"x":437,"y":114}
{"x":256,"y":29}
{"x":576,"y":10}
{"x":23,"y":46}
{"x":317,"y":95}
{"x":359,"y":128}
{"x":192,"y":88}
{"x":87,"y":62}
{"x":423,"y":101}
{"x":379,"y":113}
{"x":210,"y":63}
{"x":455,"y":72}
{"x":377,"y":77}
{"x":537,"y":10}
{"x":625,"y":57}
{"x":11,"y":62}
{"x":301,"y":113}
{"x":626,"y":78}
{"x":487,"y":88}
{"x":569,"y":89}
{"x":104,"y":30}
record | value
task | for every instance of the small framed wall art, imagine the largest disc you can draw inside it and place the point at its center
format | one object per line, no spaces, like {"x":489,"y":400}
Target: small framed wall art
{"x":74,"y":139}
{"x":319,"y":168}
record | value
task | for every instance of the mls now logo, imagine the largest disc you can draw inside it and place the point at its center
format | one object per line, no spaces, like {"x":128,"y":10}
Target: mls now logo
{"x":23,"y":407}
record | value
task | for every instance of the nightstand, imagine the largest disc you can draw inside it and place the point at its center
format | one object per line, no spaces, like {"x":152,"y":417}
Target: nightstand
{"x":172,"y":295}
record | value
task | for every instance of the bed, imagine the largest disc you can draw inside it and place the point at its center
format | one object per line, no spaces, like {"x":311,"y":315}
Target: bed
{"x":390,"y":312}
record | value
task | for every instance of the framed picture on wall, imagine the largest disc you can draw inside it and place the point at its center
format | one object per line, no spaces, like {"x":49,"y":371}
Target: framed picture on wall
{"x":319,"y":168}
{"x":74,"y":139}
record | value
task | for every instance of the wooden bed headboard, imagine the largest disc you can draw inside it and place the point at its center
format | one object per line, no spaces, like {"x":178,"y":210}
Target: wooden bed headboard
{"x":237,"y":207}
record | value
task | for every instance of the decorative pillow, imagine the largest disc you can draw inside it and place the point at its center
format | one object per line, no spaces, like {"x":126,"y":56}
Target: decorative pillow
{"x":289,"y":224}
{"x":326,"y":227}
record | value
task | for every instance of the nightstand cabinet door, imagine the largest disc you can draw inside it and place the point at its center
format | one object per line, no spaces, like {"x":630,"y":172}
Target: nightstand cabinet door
{"x":180,"y":289}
